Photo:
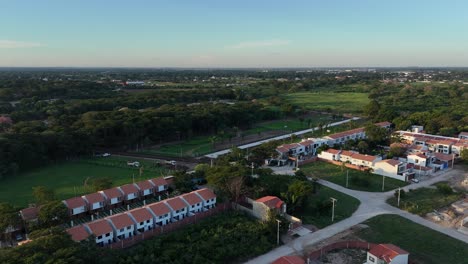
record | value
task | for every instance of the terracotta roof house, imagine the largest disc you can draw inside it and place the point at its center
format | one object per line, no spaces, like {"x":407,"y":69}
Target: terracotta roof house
{"x":95,"y":201}
{"x":30,"y":213}
{"x":75,"y":205}
{"x":391,"y":168}
{"x":146,"y":188}
{"x":388,"y":253}
{"x":113,"y":196}
{"x":194,"y":201}
{"x":289,"y":260}
{"x":78,"y":233}
{"x":179,"y":208}
{"x":271,"y":202}
{"x":208,"y":197}
{"x":122,"y":224}
{"x":160,"y":184}
{"x":161,"y":213}
{"x":102,"y":231}
{"x":130,"y":192}
{"x":143,"y":218}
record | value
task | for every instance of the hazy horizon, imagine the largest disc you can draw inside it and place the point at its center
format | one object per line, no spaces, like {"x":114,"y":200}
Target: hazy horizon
{"x":240,"y":34}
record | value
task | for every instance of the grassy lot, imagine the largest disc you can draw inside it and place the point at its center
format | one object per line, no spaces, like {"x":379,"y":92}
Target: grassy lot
{"x":68,"y":178}
{"x":424,"y":200}
{"x":357,"y":180}
{"x":312,"y":214}
{"x":328,"y":101}
{"x":424,"y":245}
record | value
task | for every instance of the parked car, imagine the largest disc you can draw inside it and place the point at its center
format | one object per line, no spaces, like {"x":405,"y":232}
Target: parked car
{"x":415,"y":180}
{"x":133,"y":163}
{"x":106,"y":154}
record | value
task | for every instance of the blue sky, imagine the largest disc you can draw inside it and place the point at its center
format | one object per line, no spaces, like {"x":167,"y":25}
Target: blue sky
{"x":237,"y":33}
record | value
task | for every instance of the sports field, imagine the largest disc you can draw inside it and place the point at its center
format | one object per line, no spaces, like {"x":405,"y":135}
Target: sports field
{"x":328,"y":101}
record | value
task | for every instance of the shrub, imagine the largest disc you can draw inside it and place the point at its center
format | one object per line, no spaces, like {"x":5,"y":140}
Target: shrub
{"x":444,"y":188}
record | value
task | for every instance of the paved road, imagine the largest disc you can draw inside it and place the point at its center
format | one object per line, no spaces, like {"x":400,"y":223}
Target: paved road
{"x":372,"y":204}
{"x":215,"y":155}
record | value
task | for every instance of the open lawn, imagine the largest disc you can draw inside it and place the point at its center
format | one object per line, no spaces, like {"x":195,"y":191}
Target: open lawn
{"x":357,"y":180}
{"x":67,"y":179}
{"x":318,"y":214}
{"x":329,"y":101}
{"x":424,"y":200}
{"x":424,"y":245}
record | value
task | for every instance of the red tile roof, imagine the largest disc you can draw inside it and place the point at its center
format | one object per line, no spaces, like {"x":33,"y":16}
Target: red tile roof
{"x":369,"y":158}
{"x":140,"y":214}
{"x":332,"y":151}
{"x":387,"y":252}
{"x":271,"y":201}
{"x":94,"y":198}
{"x":347,"y":153}
{"x":100,"y":227}
{"x":75,"y":202}
{"x":289,"y":260}
{"x":78,"y":233}
{"x":282,"y":149}
{"x":159,"y":208}
{"x":422,"y":156}
{"x":443,"y":157}
{"x":392,"y":162}
{"x":306,"y":142}
{"x":120,"y":220}
{"x":159,"y":181}
{"x":129,"y":189}
{"x":30,"y":213}
{"x":144,"y":185}
{"x":176,"y":203}
{"x":191,"y":198}
{"x":206,"y":193}
{"x":112,"y":193}
{"x":346,"y":133}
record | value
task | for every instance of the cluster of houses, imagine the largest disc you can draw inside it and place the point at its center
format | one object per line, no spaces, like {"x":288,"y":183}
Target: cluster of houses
{"x":127,"y":224}
{"x":115,"y":197}
{"x":309,"y":147}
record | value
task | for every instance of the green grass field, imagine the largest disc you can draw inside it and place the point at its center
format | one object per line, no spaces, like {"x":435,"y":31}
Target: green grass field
{"x":424,"y":200}
{"x":328,"y":101}
{"x":335,"y":174}
{"x":68,"y":178}
{"x":424,"y":245}
{"x":344,"y":208}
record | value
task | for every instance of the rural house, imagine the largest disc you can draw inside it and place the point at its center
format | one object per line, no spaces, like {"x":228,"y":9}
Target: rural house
{"x":145,"y":188}
{"x":75,"y":205}
{"x":179,"y":208}
{"x":208,"y":197}
{"x":161,"y":213}
{"x":195,"y":203}
{"x":78,"y":233}
{"x":130,"y":192}
{"x":387,"y":254}
{"x":113,"y":196}
{"x":122,"y":225}
{"x":143,"y":219}
{"x":102,"y":231}
{"x":95,"y":201}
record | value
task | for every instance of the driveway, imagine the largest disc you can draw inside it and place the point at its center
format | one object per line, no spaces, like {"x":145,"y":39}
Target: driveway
{"x":372,"y":204}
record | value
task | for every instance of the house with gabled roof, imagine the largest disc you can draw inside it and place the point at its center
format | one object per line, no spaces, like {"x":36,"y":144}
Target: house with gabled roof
{"x":391,"y":168}
{"x":194,"y":202}
{"x":76,"y":206}
{"x":289,"y":260}
{"x":130,"y":192}
{"x":79,"y":233}
{"x":102,"y":231}
{"x":418,"y":159}
{"x":122,"y":225}
{"x":386,"y":254}
{"x":179,"y":209}
{"x":160,"y":185}
{"x":146,"y":188}
{"x":143,"y":219}
{"x":95,"y":201}
{"x":160,"y":212}
{"x":30,"y":214}
{"x":208,"y":197}
{"x":114,"y":197}
{"x":262,"y":206}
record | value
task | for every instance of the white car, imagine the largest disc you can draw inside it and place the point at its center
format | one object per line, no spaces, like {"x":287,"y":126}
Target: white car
{"x":415,"y":180}
{"x":134,"y":163}
{"x":106,"y":154}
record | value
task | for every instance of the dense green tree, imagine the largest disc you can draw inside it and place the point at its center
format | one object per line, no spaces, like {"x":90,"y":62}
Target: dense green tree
{"x":43,"y":194}
{"x":53,"y":213}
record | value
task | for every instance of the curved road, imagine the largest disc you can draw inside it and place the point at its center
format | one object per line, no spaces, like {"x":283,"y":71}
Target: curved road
{"x":372,"y":204}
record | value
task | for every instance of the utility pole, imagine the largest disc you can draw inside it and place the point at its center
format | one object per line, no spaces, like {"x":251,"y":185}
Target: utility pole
{"x":133,"y":177}
{"x":277,"y":233}
{"x":383,"y":183}
{"x":347,"y":175}
{"x":399,"y":190}
{"x":252,"y":167}
{"x":333,"y":207}
{"x":453,"y":159}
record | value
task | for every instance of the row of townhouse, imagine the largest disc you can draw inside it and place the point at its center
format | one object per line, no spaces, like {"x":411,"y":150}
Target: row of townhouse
{"x":115,"y":197}
{"x":309,"y":147}
{"x":125,"y":225}
{"x":435,"y":143}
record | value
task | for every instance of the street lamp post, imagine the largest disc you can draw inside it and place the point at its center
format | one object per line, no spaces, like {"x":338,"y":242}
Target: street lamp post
{"x":252,"y":169}
{"x":347,"y":175}
{"x":399,"y":189}
{"x":333,"y":207}
{"x":383,"y":183}
{"x":277,"y":233}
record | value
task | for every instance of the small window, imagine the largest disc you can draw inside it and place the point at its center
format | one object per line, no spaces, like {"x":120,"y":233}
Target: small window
{"x":99,"y":237}
{"x":108,"y":234}
{"x":122,"y":230}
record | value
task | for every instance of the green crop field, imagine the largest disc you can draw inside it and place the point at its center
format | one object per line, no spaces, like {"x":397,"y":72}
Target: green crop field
{"x":68,"y":178}
{"x":424,"y":245}
{"x":328,"y":101}
{"x":357,"y":180}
